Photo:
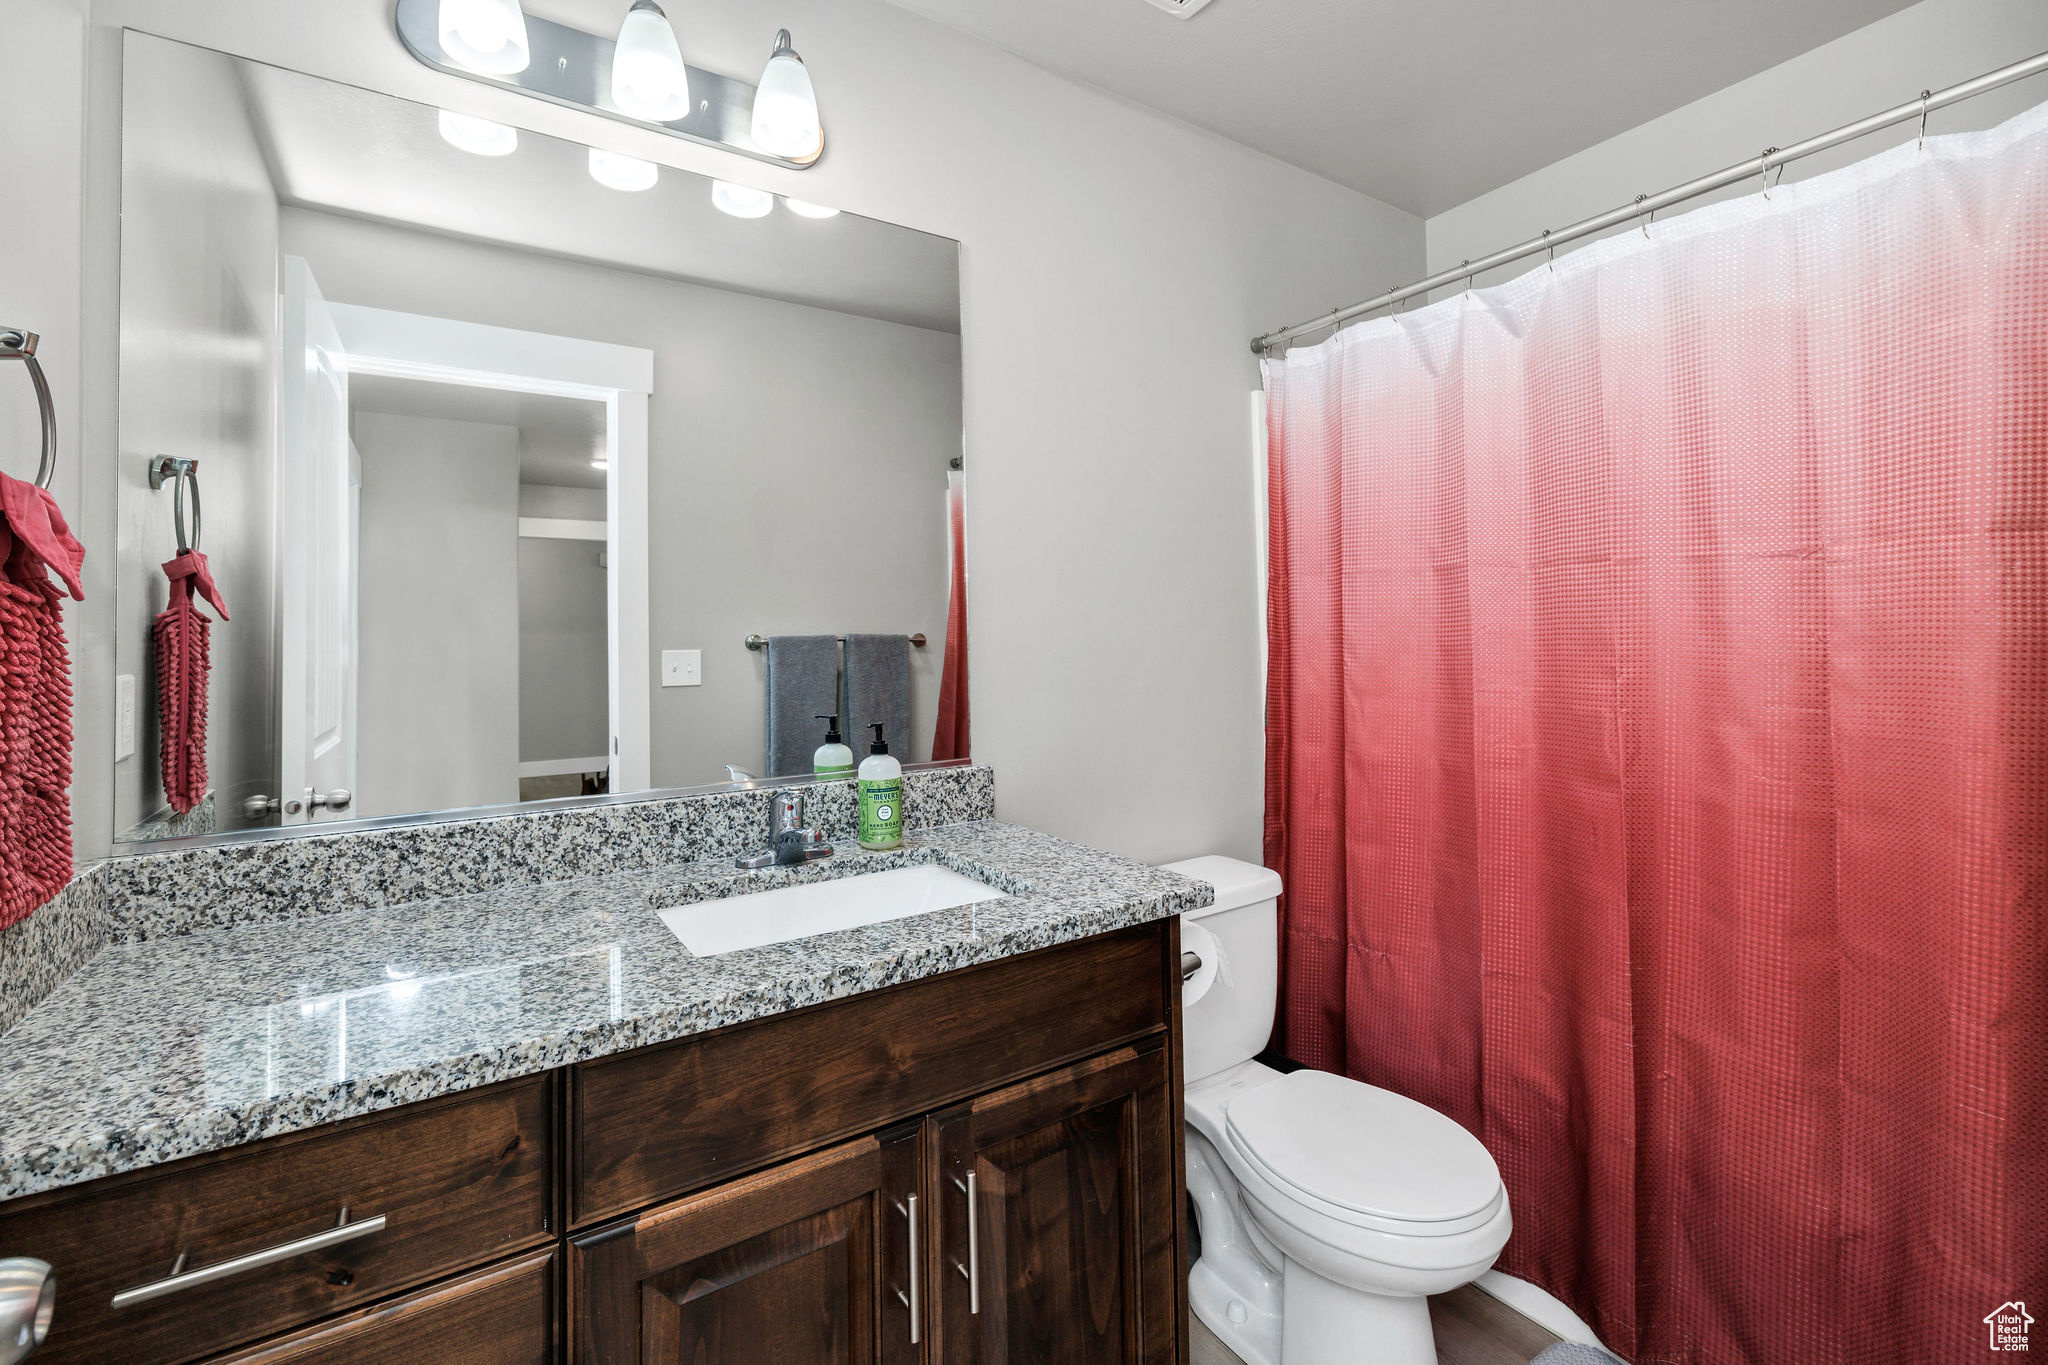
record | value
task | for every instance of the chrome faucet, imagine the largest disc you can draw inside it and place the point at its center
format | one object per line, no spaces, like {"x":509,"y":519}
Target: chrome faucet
{"x":790,"y":841}
{"x":28,"y":1298}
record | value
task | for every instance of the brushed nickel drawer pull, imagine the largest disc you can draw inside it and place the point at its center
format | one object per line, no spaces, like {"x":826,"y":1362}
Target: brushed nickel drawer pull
{"x":179,"y":1279}
{"x":972,"y":1270}
{"x":912,"y":1303}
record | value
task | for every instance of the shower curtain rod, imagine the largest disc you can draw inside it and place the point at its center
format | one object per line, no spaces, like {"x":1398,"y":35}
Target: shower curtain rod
{"x":1757,"y":166}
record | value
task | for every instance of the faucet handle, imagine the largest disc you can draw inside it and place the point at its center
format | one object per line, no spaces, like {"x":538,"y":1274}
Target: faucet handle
{"x":787,"y":812}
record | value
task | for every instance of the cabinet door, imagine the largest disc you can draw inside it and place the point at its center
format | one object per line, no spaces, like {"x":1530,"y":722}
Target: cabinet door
{"x":797,"y":1265}
{"x":1057,"y":1223}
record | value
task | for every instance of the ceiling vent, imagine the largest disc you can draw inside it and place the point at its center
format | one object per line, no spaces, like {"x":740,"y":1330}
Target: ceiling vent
{"x":1179,"y":9}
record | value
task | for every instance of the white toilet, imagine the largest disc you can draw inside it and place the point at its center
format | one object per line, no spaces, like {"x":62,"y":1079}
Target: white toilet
{"x":1328,"y":1208}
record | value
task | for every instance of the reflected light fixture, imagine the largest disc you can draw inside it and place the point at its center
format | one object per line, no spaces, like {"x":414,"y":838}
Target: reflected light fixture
{"x":648,"y":78}
{"x":485,"y":35}
{"x":741,"y":201}
{"x":601,"y":463}
{"x":804,"y":208}
{"x":786,"y":107}
{"x":478,"y":135}
{"x":617,"y":171}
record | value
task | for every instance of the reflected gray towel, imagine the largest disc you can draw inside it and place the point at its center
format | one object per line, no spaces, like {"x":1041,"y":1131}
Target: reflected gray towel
{"x":1571,"y":1353}
{"x":877,"y":689}
{"x":803,"y":683}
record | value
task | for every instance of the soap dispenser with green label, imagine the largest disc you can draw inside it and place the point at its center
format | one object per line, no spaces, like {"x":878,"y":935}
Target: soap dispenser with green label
{"x":881,"y":797}
{"x":833,"y":758}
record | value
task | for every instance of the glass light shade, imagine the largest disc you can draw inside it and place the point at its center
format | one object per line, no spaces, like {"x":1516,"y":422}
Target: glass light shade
{"x":648,"y":80}
{"x":478,"y":135}
{"x":485,"y":35}
{"x":786,"y":107}
{"x":804,"y":208}
{"x":741,"y":201}
{"x":617,"y":171}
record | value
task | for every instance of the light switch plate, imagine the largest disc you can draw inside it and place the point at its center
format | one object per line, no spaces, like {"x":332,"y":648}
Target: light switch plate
{"x":682,"y":667}
{"x":124,"y":716}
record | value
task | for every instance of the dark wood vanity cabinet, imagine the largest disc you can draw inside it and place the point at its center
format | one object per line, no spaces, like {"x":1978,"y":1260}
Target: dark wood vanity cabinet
{"x":981,"y":1166}
{"x":1035,"y":1223}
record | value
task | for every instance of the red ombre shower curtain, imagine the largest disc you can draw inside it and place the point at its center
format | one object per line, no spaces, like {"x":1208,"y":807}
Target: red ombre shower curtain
{"x":1658,"y":752}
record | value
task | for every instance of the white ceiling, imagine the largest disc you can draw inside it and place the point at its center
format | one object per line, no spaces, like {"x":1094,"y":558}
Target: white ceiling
{"x":557,"y":436}
{"x":1421,"y":103}
{"x":343,"y":149}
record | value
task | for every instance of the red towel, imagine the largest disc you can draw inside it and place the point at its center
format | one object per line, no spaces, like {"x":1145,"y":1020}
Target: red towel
{"x":35,"y":699}
{"x":183,"y":664}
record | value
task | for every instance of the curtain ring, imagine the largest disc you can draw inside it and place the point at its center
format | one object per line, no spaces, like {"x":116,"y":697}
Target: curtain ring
{"x":1646,"y":221}
{"x":18,"y":343}
{"x":1764,"y":165}
{"x":1468,"y":278}
{"x":179,"y":472}
{"x":1549,"y":251}
{"x":1925,"y":95}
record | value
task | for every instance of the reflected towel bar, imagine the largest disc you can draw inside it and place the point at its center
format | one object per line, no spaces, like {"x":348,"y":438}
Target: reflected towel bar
{"x":761,"y":641}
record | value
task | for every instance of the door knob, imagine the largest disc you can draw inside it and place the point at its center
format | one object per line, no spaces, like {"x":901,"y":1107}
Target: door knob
{"x":258,"y":806}
{"x":338,"y":799}
{"x":28,"y":1300}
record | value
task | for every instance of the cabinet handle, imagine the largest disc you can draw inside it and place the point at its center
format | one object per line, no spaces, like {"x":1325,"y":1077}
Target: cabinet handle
{"x":911,"y":1302}
{"x":342,"y":1231}
{"x":972,"y":1270}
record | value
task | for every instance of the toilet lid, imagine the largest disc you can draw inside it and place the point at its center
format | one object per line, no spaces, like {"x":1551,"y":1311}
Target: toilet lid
{"x":1364,"y":1149}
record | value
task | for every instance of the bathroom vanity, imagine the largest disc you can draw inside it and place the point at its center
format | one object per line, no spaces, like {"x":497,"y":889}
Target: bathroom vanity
{"x":951,"y":1137}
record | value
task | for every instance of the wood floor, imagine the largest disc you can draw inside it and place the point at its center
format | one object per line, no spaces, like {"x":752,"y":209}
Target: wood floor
{"x":1472,"y":1328}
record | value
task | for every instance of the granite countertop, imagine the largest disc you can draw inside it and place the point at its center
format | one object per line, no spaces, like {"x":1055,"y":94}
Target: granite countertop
{"x":176,"y":1046}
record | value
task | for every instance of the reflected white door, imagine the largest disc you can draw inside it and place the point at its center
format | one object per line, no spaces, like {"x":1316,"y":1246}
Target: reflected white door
{"x":317,"y":559}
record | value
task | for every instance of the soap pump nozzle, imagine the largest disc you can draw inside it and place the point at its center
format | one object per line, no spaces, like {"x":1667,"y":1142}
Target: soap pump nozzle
{"x":880,"y":746}
{"x":831,"y":728}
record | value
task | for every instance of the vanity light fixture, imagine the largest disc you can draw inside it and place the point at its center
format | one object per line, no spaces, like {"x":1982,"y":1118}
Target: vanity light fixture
{"x":649,"y":80}
{"x":804,"y":208}
{"x":485,"y":35}
{"x":785,"y":122}
{"x":617,"y":171}
{"x":635,"y":74}
{"x":478,"y":135}
{"x":741,"y":201}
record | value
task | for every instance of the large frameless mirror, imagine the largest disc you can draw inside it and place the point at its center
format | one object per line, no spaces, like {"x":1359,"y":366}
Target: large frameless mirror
{"x":463,"y":467}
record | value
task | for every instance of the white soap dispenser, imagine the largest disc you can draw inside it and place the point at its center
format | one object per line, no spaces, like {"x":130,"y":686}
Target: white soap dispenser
{"x":834,"y":758}
{"x":881,"y":797}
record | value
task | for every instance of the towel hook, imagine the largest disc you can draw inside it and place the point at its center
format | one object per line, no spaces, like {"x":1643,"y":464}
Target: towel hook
{"x":18,"y":343}
{"x":182,"y":472}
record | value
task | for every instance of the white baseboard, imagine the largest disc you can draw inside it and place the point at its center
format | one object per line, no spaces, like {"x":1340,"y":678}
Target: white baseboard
{"x":1541,"y":1307}
{"x":562,"y":767}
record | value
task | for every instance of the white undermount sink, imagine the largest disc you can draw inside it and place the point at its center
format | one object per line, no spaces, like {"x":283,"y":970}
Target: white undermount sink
{"x":708,"y":928}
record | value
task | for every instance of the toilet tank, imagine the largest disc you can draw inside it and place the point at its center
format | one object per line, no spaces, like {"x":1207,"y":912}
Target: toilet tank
{"x":1227,"y":1014}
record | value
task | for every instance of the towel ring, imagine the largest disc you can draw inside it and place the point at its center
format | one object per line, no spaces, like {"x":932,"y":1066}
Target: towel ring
{"x":17,"y":343}
{"x":182,"y":472}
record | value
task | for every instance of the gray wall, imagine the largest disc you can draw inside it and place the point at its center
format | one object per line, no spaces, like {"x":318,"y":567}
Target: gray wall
{"x":564,"y":704}
{"x":437,"y":615}
{"x":782,"y":441}
{"x":198,"y":354}
{"x":567,"y":504}
{"x":1113,"y":264}
{"x":1930,"y":45}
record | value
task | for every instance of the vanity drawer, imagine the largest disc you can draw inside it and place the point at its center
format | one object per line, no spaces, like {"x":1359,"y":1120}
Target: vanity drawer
{"x":660,"y":1121}
{"x":501,"y":1316}
{"x":455,"y":1183}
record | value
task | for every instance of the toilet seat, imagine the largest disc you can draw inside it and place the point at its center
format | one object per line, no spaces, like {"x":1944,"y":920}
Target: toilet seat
{"x":1365,"y":1157}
